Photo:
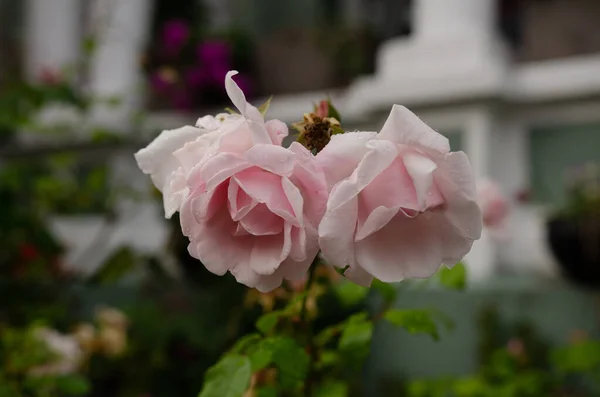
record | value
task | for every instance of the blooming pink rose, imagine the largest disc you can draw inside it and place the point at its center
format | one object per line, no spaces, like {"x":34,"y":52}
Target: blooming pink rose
{"x":251,"y":207}
{"x":494,"y":205}
{"x":401,"y":203}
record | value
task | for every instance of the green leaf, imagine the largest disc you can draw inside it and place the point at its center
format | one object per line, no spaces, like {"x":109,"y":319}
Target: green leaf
{"x":73,"y":385}
{"x":267,"y":391}
{"x":455,"y":278}
{"x":89,"y":45}
{"x":260,"y":359}
{"x":230,"y":377}
{"x":244,"y":343}
{"x":415,"y":321}
{"x":268,"y":321}
{"x":356,"y":335}
{"x":333,"y":112}
{"x":350,"y":294}
{"x":264,"y":108}
{"x":332,"y":389}
{"x":387,"y":291}
{"x":291,"y":360}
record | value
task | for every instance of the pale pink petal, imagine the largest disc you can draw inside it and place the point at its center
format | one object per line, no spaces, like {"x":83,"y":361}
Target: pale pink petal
{"x":403,"y":126}
{"x":455,"y":181}
{"x":275,"y":159}
{"x":218,"y":233}
{"x":299,"y":244}
{"x":266,"y":254}
{"x":380,"y":156}
{"x":260,"y":221}
{"x":294,"y":198}
{"x":157,"y":158}
{"x":336,"y":233}
{"x":392,"y":188}
{"x":376,"y":219}
{"x":253,"y":116}
{"x":277,"y":131}
{"x":342,"y":154}
{"x":265,"y":187}
{"x":174,"y":193}
{"x":204,"y":206}
{"x":420,"y":169}
{"x":216,"y":170}
{"x":357,"y":275}
{"x":404,"y":248}
{"x":238,"y":201}
{"x":310,"y":180}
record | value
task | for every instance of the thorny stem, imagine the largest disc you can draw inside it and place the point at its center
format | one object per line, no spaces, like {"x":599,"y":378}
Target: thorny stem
{"x":307,"y":326}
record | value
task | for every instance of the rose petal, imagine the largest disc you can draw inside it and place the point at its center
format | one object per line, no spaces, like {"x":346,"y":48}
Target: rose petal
{"x":341,"y":155}
{"x":403,"y":126}
{"x":157,"y":158}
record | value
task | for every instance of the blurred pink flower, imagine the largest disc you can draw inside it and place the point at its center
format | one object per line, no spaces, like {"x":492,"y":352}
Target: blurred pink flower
{"x":214,"y":51}
{"x":515,"y":347}
{"x":175,"y":34}
{"x":494,"y":205}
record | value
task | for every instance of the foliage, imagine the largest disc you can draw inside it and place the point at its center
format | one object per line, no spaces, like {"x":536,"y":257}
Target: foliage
{"x":20,"y":353}
{"x":291,"y":356}
{"x":521,"y":365}
{"x":583,"y":193}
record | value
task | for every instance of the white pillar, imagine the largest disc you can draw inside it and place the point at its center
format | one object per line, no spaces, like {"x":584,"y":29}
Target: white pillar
{"x":116,"y":63}
{"x":52,"y":35}
{"x":481,"y":262}
{"x":447,"y":19}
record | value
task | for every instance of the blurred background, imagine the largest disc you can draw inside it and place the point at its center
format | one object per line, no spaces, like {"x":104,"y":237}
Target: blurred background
{"x":86,"y":252}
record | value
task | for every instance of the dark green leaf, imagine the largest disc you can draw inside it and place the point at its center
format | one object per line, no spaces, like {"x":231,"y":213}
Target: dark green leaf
{"x":244,"y":343}
{"x":73,"y":385}
{"x":267,"y":391}
{"x":356,"y":335}
{"x":264,"y":108}
{"x":268,"y":321}
{"x":455,"y":278}
{"x":230,"y":377}
{"x":387,"y":291}
{"x":415,"y":321}
{"x":356,"y":332}
{"x":349,"y":293}
{"x":290,"y":359}
{"x":332,"y":389}
{"x":260,"y":359}
{"x":89,"y":46}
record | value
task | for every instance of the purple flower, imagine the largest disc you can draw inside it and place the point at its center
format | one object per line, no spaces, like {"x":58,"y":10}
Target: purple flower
{"x":214,"y":51}
{"x":175,"y":34}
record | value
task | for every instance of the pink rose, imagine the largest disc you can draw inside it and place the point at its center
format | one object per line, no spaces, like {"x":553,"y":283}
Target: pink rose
{"x":401,"y":203}
{"x":494,"y":205}
{"x":251,"y":207}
